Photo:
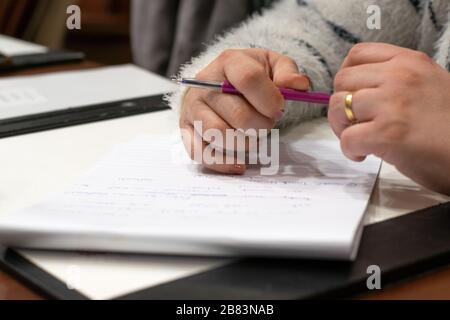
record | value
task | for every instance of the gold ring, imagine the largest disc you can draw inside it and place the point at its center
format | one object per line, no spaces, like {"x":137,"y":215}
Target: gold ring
{"x":349,"y":109}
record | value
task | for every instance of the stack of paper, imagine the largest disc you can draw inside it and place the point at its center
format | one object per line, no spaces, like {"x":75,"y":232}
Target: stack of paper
{"x":142,"y":198}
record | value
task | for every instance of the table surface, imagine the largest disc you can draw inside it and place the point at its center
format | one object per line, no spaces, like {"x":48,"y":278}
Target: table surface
{"x":11,"y":288}
{"x":393,"y":195}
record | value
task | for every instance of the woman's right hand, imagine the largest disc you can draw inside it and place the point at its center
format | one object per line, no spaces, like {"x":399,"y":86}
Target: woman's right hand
{"x":256,"y":73}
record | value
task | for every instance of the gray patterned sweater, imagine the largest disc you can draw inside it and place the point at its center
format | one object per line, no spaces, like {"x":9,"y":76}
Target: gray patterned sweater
{"x":318,"y":34}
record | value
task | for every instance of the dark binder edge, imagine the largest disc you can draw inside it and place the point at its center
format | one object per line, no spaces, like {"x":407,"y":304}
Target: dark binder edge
{"x":26,"y":61}
{"x":403,"y":247}
{"x":81,"y":115}
{"x":36,"y":278}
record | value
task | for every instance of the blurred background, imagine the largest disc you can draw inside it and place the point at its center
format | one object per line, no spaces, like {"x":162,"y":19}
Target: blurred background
{"x":105,"y":26}
{"x":158,"y":35}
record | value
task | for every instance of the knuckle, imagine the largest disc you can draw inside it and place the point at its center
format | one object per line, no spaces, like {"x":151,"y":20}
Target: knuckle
{"x":250,"y":76}
{"x":399,"y":107}
{"x":258,"y":51}
{"x":191,"y":101}
{"x":226,"y":54}
{"x":202,"y":74}
{"x":340,"y":79}
{"x":190,"y":95}
{"x":420,"y":56}
{"x":412,"y":58}
{"x":408,"y":78}
{"x":288,"y":60}
{"x":210,"y":97}
{"x":357,"y":49}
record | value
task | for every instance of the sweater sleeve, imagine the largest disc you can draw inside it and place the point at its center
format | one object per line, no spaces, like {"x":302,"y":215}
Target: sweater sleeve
{"x":317,"y":34}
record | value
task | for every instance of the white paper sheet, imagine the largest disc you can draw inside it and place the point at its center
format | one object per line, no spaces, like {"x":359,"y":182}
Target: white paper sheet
{"x":139,"y":200}
{"x":24,"y":95}
{"x":108,"y":276}
{"x":11,"y":46}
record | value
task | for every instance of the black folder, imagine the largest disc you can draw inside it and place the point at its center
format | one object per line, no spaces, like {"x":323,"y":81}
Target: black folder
{"x":80,"y":115}
{"x":22,"y":61}
{"x":402,"y":247}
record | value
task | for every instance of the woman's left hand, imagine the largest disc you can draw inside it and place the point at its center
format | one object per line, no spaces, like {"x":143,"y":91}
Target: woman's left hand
{"x":401,"y":100}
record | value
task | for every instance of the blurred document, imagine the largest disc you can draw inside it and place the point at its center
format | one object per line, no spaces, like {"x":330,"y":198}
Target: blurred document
{"x":11,"y":46}
{"x":147,"y":197}
{"x":28,"y":95}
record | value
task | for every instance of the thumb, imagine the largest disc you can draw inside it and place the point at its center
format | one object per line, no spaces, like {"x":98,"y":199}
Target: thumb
{"x":286,"y":74}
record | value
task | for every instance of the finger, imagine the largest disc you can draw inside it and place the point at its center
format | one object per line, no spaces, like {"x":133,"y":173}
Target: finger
{"x":359,"y":77}
{"x":203,"y":118}
{"x":359,"y":141}
{"x":286,"y":73}
{"x":217,"y":131}
{"x":283,"y":69}
{"x":253,"y":81}
{"x":196,"y":149}
{"x":365,"y":53}
{"x":237,"y":112}
{"x":365,"y":106}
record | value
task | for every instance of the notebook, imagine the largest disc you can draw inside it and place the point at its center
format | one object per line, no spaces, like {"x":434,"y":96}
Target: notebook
{"x":147,"y":197}
{"x":29,"y":95}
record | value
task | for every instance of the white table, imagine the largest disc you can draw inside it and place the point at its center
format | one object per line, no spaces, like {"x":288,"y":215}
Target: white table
{"x":37,"y":165}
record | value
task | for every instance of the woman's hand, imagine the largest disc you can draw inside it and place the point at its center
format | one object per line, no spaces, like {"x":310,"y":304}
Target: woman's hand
{"x":256,"y":73}
{"x":401,"y":99}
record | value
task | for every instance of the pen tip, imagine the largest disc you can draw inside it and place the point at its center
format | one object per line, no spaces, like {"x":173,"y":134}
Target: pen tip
{"x":177,"y":80}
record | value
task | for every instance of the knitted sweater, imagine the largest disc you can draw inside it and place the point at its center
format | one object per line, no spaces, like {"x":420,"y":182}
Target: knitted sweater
{"x":318,"y":34}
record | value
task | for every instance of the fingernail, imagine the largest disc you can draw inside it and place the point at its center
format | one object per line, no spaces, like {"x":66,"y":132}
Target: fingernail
{"x":279,"y":115}
{"x":307,"y":77}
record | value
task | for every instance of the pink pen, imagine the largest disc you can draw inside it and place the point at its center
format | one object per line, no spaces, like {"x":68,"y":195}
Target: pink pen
{"x":227,"y":87}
